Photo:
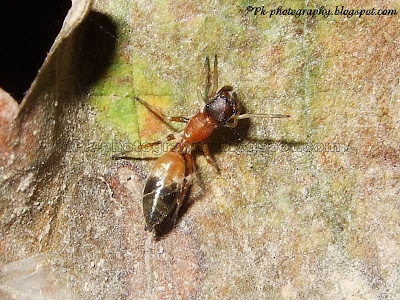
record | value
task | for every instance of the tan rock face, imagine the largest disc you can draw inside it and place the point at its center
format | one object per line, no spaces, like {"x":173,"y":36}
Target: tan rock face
{"x":305,"y":207}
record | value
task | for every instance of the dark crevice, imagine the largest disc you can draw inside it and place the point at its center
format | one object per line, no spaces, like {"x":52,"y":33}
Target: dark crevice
{"x":26,"y":35}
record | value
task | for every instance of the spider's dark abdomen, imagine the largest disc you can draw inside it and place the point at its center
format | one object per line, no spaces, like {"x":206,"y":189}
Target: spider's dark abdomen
{"x":163,"y":187}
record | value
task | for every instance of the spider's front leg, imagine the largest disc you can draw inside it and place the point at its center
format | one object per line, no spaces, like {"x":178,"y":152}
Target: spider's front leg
{"x":210,"y":89}
{"x":161,"y":115}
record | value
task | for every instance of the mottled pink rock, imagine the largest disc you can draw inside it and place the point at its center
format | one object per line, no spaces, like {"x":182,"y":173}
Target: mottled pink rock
{"x":8,"y":111}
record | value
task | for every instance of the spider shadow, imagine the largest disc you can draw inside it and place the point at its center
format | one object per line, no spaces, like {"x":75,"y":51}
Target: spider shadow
{"x":225,"y":136}
{"x":222,"y":136}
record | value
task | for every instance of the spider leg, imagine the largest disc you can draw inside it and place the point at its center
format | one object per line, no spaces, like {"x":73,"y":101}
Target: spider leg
{"x":161,"y":115}
{"x":205,"y":76}
{"x":215,"y":76}
{"x":210,"y":159}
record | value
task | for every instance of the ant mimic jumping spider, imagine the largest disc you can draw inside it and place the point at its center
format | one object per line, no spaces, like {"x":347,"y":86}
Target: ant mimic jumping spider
{"x":171,"y":174}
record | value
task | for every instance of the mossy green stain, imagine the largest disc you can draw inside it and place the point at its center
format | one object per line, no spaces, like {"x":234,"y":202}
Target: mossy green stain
{"x":113,"y":96}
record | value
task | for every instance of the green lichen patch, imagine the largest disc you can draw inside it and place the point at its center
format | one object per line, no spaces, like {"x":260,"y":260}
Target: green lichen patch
{"x":114,"y":99}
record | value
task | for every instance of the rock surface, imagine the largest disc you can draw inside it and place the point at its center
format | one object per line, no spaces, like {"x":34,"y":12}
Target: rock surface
{"x":303,"y":208}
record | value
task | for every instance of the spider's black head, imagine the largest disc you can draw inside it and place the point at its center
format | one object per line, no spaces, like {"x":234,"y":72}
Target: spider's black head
{"x":224,"y":106}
